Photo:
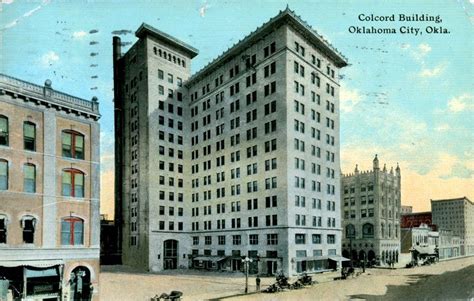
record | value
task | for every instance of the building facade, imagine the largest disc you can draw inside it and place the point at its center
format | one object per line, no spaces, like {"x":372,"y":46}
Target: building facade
{"x":49,"y":192}
{"x":238,"y":160}
{"x":456,"y":215}
{"x":371,"y":214}
{"x":449,"y":244}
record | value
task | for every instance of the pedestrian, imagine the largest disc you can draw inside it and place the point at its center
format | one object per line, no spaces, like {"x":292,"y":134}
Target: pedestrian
{"x":257,"y":281}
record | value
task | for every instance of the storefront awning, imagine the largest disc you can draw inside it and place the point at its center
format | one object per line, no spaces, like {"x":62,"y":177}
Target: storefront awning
{"x":338,"y":258}
{"x":424,"y":250}
{"x":311,"y":258}
{"x":31,"y":263}
{"x":48,"y":272}
{"x":209,"y":258}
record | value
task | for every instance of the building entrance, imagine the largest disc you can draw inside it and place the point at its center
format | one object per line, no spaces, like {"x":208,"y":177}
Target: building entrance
{"x":170,"y":251}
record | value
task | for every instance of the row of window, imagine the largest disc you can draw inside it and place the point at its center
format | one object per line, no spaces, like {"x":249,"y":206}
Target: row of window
{"x":72,"y":142}
{"x":253,"y":239}
{"x":170,"y":57}
{"x":72,"y":179}
{"x":72,"y":230}
{"x":301,"y":50}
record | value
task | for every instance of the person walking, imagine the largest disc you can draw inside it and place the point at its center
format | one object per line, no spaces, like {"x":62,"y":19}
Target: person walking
{"x":257,"y":282}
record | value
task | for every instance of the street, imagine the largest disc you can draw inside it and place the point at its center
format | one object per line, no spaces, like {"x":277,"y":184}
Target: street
{"x":445,"y":280}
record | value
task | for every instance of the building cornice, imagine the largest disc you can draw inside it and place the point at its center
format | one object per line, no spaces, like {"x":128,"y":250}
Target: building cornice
{"x":48,"y":97}
{"x":146,"y":29}
{"x":286,"y":16}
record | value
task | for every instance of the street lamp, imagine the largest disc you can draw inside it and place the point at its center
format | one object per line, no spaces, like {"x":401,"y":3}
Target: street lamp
{"x":246,"y":261}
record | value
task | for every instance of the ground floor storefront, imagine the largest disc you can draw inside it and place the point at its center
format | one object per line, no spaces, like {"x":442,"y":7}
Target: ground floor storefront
{"x":46,"y":277}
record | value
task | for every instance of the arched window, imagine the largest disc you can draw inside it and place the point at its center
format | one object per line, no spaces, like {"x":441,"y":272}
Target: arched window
{"x":155,"y":51}
{"x":28,"y":223}
{"x":3,"y":174}
{"x":3,"y":130}
{"x":350,"y":231}
{"x":73,"y":144}
{"x":3,"y":229}
{"x":368,"y":230}
{"x":29,"y":178}
{"x":72,"y":231}
{"x":73,"y":183}
{"x":29,"y":136}
{"x":382,"y":230}
{"x":389,"y":230}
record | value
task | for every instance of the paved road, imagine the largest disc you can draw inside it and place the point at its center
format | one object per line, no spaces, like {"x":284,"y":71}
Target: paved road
{"x":457,"y":285}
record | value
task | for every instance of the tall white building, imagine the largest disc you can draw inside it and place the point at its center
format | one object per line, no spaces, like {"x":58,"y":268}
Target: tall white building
{"x":241,"y":159}
{"x":456,"y":215}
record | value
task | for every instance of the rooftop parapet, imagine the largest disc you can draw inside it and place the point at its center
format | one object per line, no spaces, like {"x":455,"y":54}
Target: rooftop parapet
{"x":45,"y":95}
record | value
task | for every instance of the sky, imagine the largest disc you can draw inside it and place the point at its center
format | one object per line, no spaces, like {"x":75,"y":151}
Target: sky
{"x":408,"y":98}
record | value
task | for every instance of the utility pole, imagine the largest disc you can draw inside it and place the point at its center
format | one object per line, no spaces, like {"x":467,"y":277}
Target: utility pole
{"x":246,"y":261}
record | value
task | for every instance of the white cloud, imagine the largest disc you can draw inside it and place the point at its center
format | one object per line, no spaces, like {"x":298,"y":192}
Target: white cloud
{"x":405,"y":46}
{"x":443,"y":127}
{"x":424,"y":49}
{"x":49,"y":58}
{"x":349,"y":99}
{"x":461,"y":103}
{"x":203,"y":9}
{"x":7,"y":1}
{"x":79,"y":34}
{"x":12,"y":23}
{"x":31,"y":12}
{"x":433,"y":72}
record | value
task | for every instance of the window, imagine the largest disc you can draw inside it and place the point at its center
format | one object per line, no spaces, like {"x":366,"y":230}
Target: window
{"x":300,"y":239}
{"x":236,"y":240}
{"x":3,"y":230}
{"x":316,"y":238}
{"x":331,"y":239}
{"x":73,"y":183}
{"x":253,"y":239}
{"x":350,"y":231}
{"x":3,"y":130}
{"x":72,"y":231}
{"x":3,"y":174}
{"x":29,"y":178}
{"x":368,"y":230}
{"x":28,"y":223}
{"x":29,"y":136}
{"x":73,"y":144}
{"x":272,"y":239}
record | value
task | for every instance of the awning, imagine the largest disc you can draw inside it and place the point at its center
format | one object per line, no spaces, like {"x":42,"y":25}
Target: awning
{"x":311,"y":258}
{"x":209,"y":258}
{"x":338,"y":258}
{"x":31,"y":263}
{"x":50,"y":272}
{"x":424,"y":250}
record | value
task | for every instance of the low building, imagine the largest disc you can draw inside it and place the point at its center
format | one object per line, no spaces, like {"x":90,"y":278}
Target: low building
{"x":418,"y":242}
{"x":49,"y":192}
{"x":449,"y":244}
{"x":414,"y":220}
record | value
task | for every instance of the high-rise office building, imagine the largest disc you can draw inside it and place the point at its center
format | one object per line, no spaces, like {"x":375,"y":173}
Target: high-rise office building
{"x":371,"y":214}
{"x":49,"y":192}
{"x":456,"y":215}
{"x":240,"y":159}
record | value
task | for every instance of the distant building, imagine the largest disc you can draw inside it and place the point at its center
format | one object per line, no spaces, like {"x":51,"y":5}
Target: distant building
{"x":456,"y":215}
{"x":416,"y":219}
{"x":418,"y":242}
{"x":49,"y":192}
{"x":371,"y":214}
{"x":240,"y":159}
{"x":407,"y":209}
{"x":449,"y":244}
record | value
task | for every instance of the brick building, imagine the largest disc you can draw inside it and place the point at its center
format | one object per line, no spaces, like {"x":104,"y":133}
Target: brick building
{"x":49,"y":192}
